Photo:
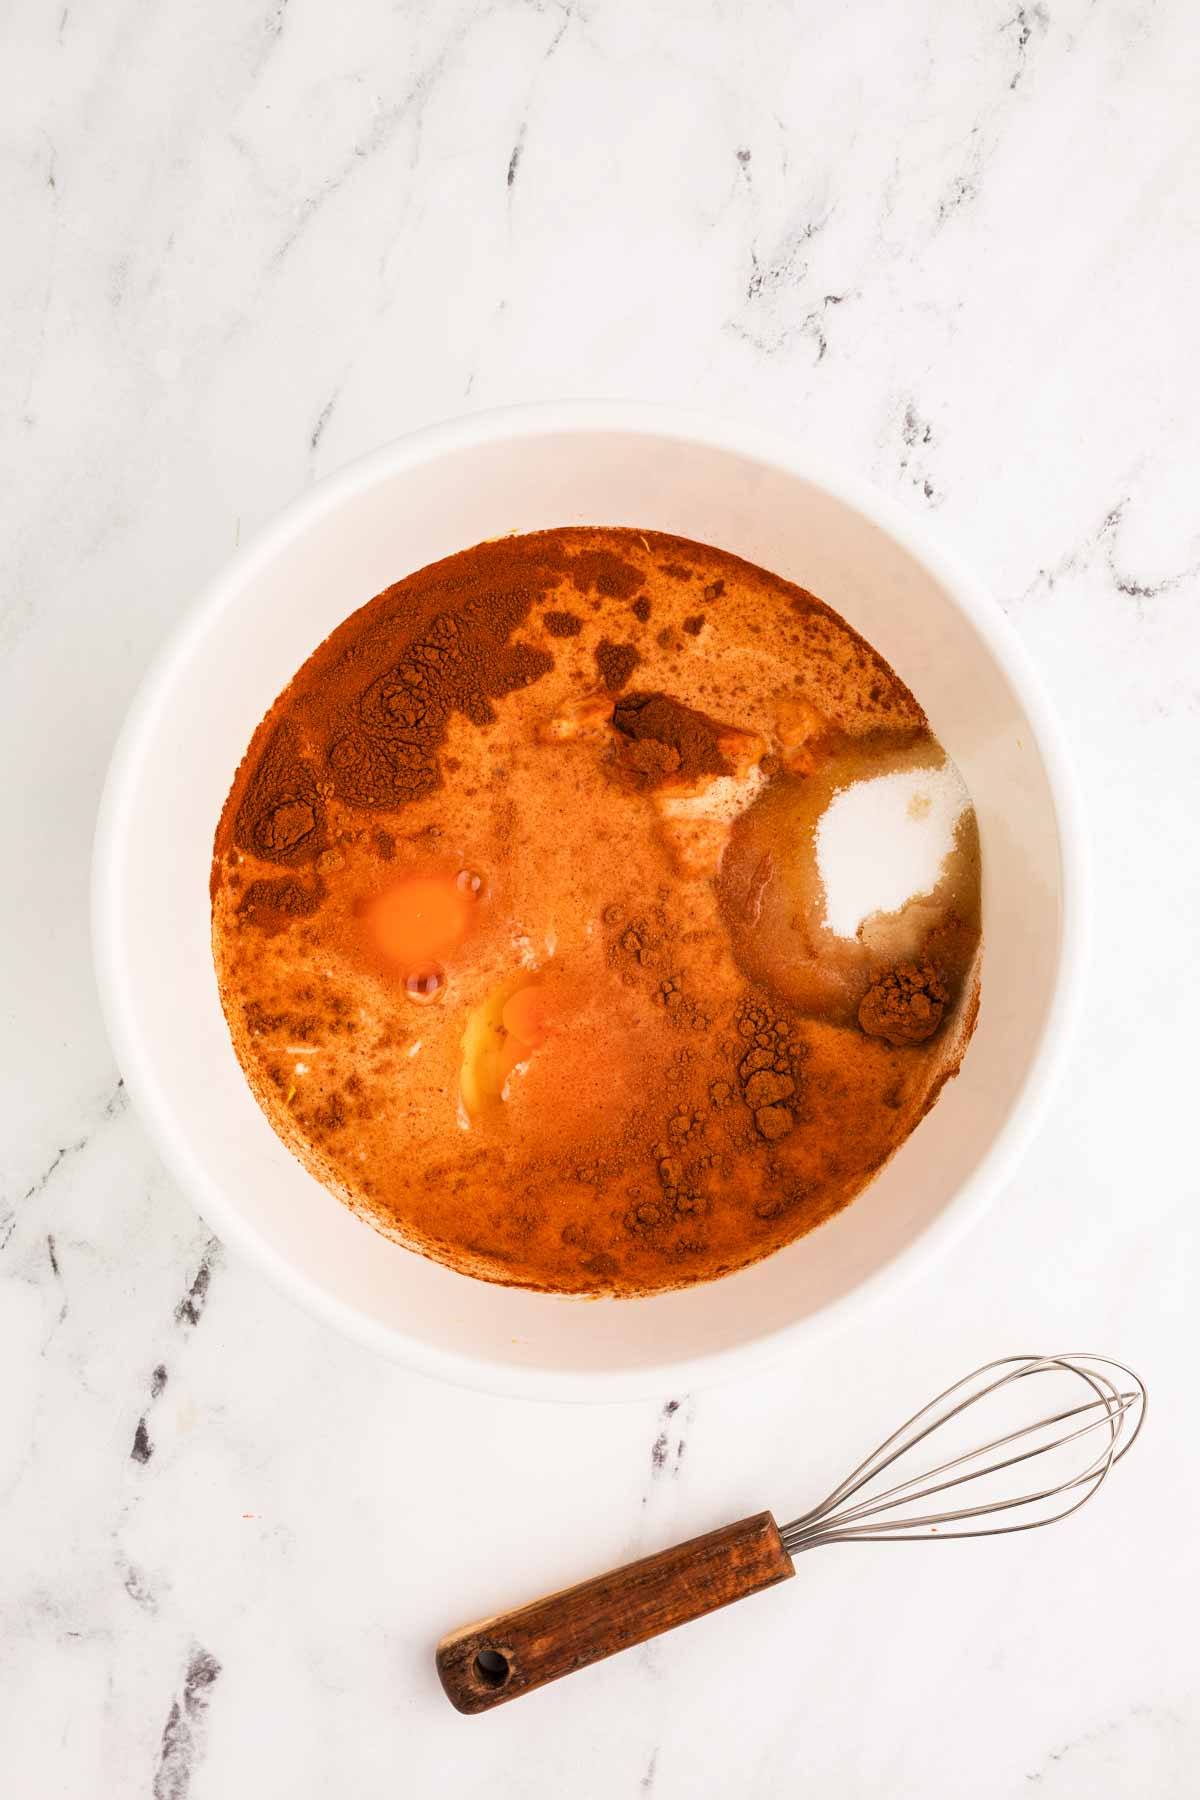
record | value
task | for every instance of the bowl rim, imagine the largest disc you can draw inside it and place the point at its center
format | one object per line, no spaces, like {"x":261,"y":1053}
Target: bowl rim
{"x":712,"y":431}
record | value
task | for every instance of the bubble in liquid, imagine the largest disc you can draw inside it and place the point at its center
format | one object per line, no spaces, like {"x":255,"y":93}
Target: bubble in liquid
{"x":470,"y":881}
{"x":425,"y":983}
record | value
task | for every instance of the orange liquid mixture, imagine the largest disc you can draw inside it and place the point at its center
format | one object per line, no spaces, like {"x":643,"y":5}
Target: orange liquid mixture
{"x":519,"y":924}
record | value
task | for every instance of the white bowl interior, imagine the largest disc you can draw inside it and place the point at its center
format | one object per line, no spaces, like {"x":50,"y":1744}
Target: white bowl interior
{"x":376,"y":522}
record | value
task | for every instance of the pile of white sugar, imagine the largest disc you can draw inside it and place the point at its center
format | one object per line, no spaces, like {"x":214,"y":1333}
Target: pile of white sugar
{"x":883,"y":842}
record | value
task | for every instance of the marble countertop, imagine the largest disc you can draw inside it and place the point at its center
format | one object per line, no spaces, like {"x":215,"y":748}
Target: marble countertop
{"x":956,"y":248}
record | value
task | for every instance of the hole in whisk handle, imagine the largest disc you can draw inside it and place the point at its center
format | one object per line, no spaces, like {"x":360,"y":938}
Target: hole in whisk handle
{"x":492,"y":1667}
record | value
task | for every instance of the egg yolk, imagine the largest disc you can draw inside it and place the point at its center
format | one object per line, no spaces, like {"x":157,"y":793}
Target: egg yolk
{"x":516,"y":1020}
{"x":531,"y":1016}
{"x":420,"y":920}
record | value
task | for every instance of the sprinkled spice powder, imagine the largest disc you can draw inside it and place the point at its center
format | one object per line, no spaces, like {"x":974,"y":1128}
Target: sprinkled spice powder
{"x":533,"y":919}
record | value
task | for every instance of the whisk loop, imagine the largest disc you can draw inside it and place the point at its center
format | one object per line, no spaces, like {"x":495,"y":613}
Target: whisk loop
{"x":1117,"y":1412}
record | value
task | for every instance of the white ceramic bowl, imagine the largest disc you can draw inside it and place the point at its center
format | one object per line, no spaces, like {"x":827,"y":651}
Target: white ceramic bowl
{"x":422,"y":498}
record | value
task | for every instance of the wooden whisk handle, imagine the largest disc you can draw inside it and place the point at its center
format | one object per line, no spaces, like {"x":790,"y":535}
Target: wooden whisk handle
{"x":486,"y":1664}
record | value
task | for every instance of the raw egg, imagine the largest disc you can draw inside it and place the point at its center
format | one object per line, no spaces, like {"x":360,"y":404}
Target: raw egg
{"x":420,"y":920}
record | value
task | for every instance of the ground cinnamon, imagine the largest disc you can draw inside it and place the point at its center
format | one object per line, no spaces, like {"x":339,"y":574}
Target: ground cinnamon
{"x":906,"y":1005}
{"x":668,"y":738}
{"x":682,"y":1116}
{"x":369,"y":713}
{"x":616,"y":663}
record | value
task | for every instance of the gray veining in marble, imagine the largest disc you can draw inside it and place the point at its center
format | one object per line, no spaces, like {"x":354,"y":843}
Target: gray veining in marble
{"x":957,"y":248}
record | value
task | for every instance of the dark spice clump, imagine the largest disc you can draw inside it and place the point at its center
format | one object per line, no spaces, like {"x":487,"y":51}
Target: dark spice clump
{"x":667,"y":738}
{"x":695,"y":625}
{"x":604,"y":572}
{"x":905,"y":1006}
{"x":641,"y":608}
{"x":272,"y":905}
{"x":282,"y":818}
{"x":616,"y":663}
{"x":563,"y":624}
{"x":767,"y":1072}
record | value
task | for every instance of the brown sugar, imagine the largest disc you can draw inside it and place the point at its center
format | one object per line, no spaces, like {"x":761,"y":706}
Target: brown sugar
{"x":474,"y":982}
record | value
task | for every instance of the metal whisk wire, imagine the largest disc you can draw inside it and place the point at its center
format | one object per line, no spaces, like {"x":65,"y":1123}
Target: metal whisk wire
{"x":1118,"y":1412}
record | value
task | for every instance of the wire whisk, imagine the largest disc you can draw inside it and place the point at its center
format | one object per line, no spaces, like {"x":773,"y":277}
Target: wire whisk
{"x":1055,"y":1459}
{"x":1116,"y":1411}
